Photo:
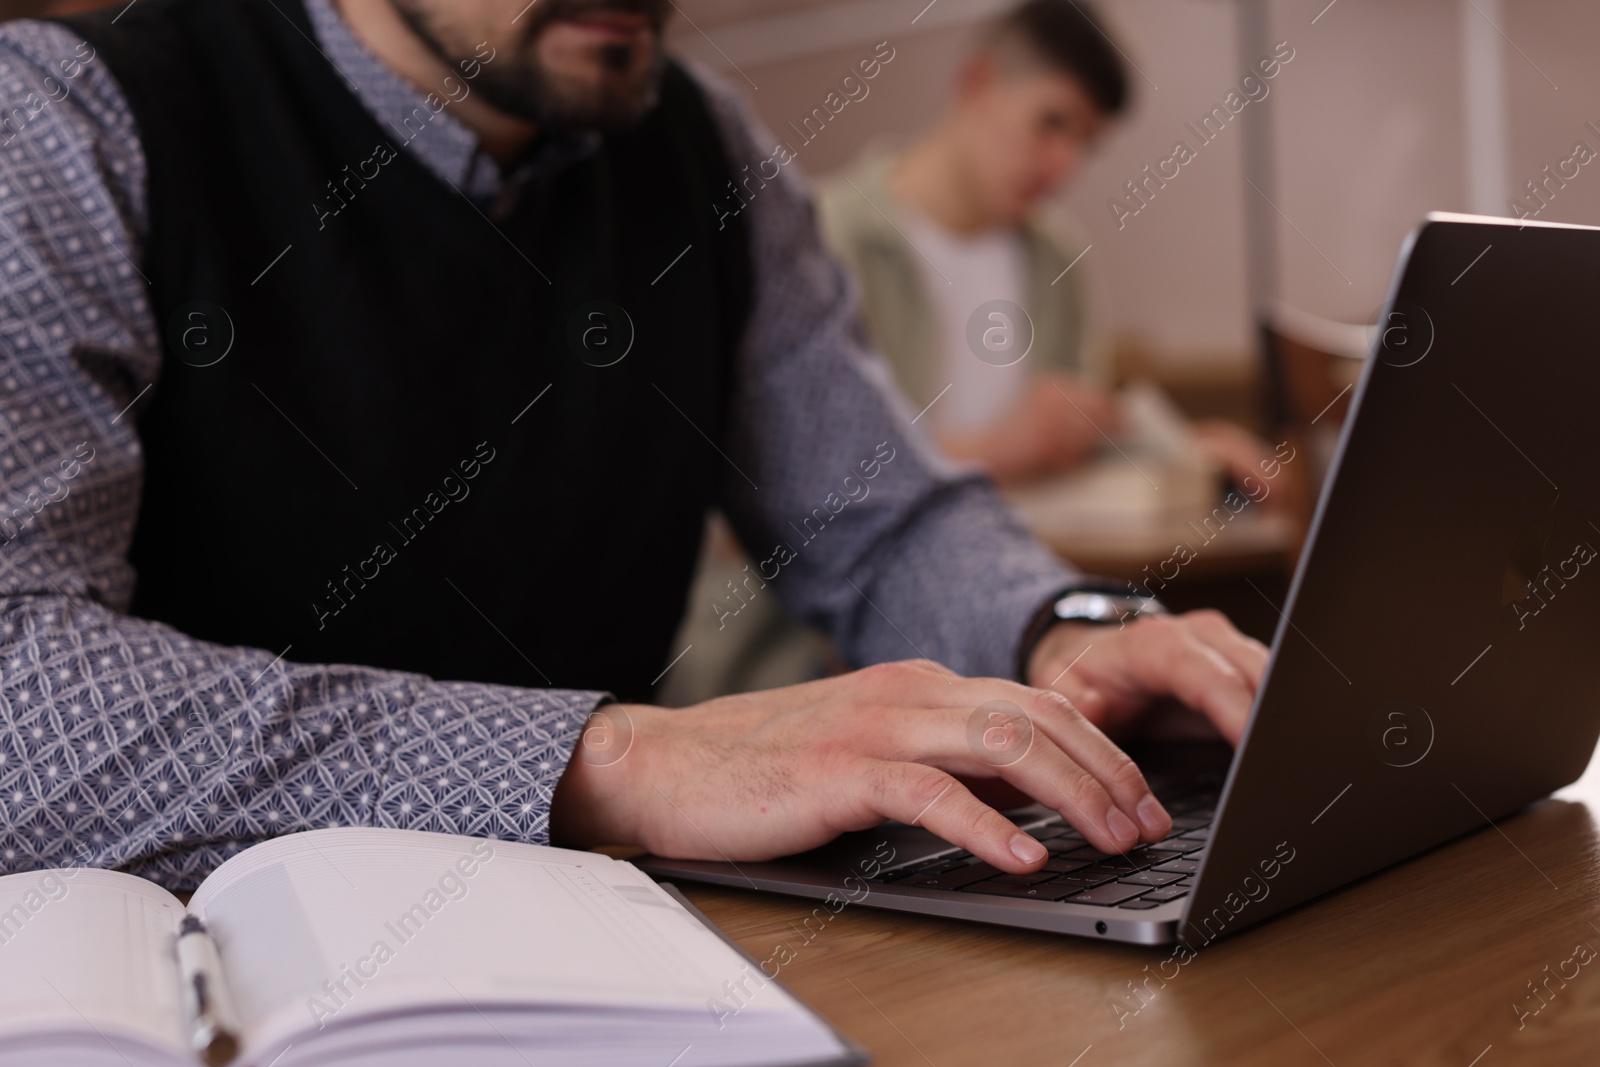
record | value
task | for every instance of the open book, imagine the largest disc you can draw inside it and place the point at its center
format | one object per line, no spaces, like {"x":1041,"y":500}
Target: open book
{"x":389,"y":947}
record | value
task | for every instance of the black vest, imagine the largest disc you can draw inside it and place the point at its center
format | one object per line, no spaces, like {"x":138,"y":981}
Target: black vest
{"x":360,"y":478}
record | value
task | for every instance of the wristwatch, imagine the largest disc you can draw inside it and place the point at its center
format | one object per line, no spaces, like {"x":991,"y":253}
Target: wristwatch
{"x":1089,"y":605}
{"x":1099,"y":604}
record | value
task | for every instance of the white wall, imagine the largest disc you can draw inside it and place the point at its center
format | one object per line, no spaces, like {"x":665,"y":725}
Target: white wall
{"x":1369,"y":122}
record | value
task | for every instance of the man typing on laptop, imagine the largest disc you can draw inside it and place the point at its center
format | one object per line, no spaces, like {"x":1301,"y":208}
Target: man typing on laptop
{"x":304,"y":408}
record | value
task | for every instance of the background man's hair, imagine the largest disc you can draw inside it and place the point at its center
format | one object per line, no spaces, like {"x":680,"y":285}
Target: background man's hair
{"x":1065,"y":35}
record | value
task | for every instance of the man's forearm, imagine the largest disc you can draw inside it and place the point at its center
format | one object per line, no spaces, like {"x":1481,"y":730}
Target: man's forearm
{"x":145,"y":749}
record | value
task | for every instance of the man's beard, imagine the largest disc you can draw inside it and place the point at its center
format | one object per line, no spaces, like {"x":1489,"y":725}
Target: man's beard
{"x":518,"y":83}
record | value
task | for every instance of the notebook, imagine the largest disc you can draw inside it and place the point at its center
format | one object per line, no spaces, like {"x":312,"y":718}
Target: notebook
{"x":361,"y":947}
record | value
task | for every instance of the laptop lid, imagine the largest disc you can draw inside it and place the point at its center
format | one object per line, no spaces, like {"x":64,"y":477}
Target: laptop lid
{"x":1438,"y":663}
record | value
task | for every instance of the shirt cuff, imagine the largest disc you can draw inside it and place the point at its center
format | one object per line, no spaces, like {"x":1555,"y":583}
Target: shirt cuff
{"x":480,"y":760}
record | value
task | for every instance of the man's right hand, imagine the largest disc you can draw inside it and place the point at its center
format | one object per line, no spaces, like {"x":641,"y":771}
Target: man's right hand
{"x":1058,"y":423}
{"x":760,"y":775}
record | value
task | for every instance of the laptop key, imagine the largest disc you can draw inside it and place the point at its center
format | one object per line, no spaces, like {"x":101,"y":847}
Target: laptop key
{"x":1145,"y":855}
{"x":1021,"y":892}
{"x":956,"y":879}
{"x":1142,"y":904}
{"x":1201,"y":834}
{"x":1183,"y":866}
{"x":942,"y":865}
{"x":1165,"y":851}
{"x":1025,"y":879}
{"x":1151,"y":877}
{"x":1108,"y":895}
{"x":1085,"y":880}
{"x":1171,"y":892}
{"x":1062,"y":865}
{"x":1122,"y":863}
{"x":1085,"y":853}
{"x":1045,"y":833}
{"x":1098,"y":873}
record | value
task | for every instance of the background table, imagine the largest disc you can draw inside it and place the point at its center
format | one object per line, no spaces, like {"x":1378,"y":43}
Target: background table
{"x":1421,"y":964}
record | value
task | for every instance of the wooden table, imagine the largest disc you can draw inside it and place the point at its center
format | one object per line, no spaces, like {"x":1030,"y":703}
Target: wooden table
{"x":1254,"y":543}
{"x":1128,"y":520}
{"x":1421,"y":964}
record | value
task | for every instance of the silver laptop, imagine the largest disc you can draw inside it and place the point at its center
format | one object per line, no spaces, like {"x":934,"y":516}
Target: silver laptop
{"x":1437,"y":665}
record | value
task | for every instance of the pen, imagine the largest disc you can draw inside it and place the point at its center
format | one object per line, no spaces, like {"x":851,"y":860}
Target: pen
{"x":210,"y":1009}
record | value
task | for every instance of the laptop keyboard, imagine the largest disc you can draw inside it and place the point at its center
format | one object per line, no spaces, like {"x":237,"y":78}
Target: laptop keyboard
{"x":1077,"y":873}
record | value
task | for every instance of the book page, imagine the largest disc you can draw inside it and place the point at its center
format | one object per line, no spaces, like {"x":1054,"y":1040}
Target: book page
{"x":88,"y":955}
{"x":329,"y":927}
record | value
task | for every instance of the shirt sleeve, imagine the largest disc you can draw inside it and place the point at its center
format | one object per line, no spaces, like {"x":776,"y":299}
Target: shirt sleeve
{"x":126,"y":743}
{"x":845,"y":508}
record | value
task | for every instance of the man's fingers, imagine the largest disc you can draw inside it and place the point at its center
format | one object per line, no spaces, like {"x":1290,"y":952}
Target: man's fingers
{"x":1032,"y":738}
{"x":1101,"y":411}
{"x":1245,"y":653}
{"x":1018,"y":736}
{"x":1053,"y":778}
{"x":924,"y":796}
{"x":1173,"y":660}
{"x":1170,"y":659}
{"x":1083,"y":743}
{"x":1109,"y":416}
{"x":1065,"y":762}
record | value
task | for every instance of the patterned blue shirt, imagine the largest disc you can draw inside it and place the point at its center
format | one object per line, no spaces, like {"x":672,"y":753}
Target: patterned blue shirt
{"x":128,"y":744}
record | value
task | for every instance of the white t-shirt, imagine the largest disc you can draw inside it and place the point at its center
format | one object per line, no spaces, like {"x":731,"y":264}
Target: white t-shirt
{"x":959,"y":274}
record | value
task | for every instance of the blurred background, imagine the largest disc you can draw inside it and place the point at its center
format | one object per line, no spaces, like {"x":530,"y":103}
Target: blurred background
{"x":1390,"y":108}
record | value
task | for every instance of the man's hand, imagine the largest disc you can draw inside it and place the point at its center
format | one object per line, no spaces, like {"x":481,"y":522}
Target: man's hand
{"x":767,"y":774}
{"x":1243,"y":455}
{"x":1056,"y":425}
{"x":1115,"y":674}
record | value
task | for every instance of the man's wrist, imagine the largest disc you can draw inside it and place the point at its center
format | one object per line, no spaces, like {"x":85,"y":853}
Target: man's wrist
{"x":1088,"y":603}
{"x":1055,"y":650}
{"x":592,"y":803}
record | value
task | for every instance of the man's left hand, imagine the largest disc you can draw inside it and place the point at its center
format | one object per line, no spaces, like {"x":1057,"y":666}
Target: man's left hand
{"x":1124,"y":677}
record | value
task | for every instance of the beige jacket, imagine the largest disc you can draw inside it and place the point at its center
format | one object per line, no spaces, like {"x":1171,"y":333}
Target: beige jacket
{"x":896,"y":306}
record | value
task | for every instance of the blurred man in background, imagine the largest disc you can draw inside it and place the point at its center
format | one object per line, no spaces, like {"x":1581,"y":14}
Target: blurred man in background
{"x":941,"y":229}
{"x":975,"y":296}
